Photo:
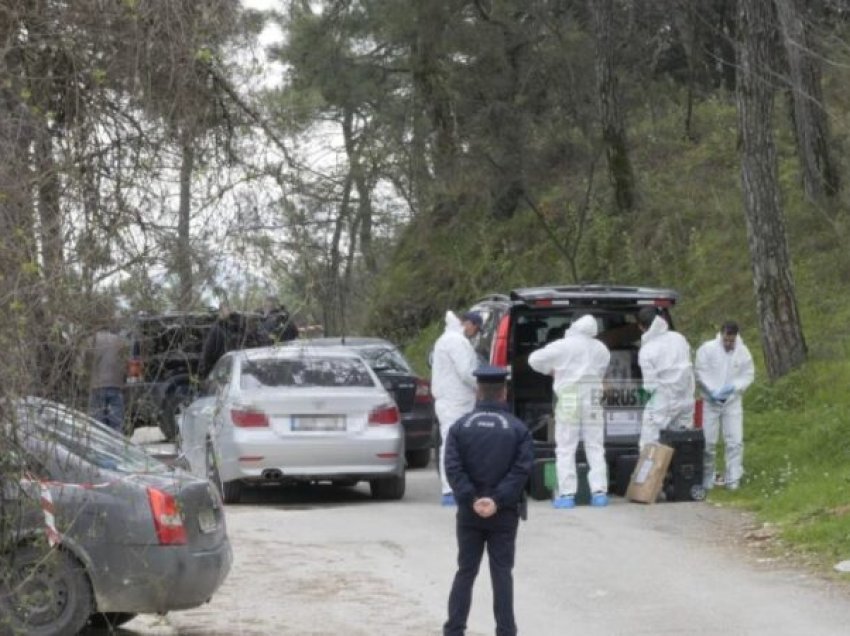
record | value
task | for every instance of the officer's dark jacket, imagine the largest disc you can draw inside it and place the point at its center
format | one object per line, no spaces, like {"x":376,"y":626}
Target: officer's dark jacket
{"x":489,"y":453}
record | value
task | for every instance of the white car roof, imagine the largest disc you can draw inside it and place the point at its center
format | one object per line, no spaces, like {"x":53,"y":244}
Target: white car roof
{"x":297,"y":351}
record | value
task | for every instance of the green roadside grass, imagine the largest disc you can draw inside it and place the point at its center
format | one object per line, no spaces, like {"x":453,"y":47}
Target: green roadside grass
{"x":797,"y":461}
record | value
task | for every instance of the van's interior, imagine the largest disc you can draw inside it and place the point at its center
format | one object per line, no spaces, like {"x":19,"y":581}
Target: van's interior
{"x":531,"y":393}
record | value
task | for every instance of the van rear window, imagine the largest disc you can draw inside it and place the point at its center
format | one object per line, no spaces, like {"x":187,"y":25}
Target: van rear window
{"x":618,"y":330}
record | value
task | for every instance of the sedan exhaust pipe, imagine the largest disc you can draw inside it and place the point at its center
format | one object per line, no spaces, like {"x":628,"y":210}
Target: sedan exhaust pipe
{"x":272,"y":474}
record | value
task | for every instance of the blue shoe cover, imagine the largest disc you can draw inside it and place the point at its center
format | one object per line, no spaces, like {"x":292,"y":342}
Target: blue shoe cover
{"x":564,"y":502}
{"x":599,"y":499}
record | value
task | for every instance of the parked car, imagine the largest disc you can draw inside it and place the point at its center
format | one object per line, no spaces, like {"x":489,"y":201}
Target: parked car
{"x":130,"y":535}
{"x":297,"y":413}
{"x":412,"y":393}
{"x":163,"y":370}
{"x":529,"y":318}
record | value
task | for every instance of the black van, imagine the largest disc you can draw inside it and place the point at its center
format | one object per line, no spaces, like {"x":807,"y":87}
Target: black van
{"x":527,"y":319}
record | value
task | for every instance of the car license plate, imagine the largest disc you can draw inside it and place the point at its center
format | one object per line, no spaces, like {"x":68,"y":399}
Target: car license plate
{"x":207,"y":521}
{"x":301,"y":423}
{"x":622,"y":423}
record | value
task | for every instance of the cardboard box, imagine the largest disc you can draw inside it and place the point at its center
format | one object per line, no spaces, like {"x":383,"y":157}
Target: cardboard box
{"x":648,"y":478}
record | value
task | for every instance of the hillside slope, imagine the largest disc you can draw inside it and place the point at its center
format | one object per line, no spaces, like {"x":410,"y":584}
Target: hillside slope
{"x":689,"y":235}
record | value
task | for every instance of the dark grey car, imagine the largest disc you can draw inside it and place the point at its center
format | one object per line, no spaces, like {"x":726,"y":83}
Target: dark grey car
{"x":93,"y":527}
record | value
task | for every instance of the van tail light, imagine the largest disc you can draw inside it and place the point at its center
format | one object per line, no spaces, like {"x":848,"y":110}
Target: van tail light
{"x":134,"y":370}
{"x":166,"y":518}
{"x":384,"y":415}
{"x":663,"y":302}
{"x":499,"y":356}
{"x":249,"y":418}
{"x":698,"y":407}
{"x":423,"y":392}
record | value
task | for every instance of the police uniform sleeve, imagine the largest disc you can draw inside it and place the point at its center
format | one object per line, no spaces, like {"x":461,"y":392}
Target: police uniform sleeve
{"x":508,"y":492}
{"x":462,"y":486}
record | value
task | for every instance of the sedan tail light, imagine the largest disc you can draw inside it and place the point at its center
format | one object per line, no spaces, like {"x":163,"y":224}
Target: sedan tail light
{"x":384,"y":415}
{"x":166,"y":518}
{"x":423,"y":392}
{"x":248,"y":418}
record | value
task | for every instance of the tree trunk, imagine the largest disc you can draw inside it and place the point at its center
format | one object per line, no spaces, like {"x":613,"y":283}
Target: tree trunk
{"x":431,"y":93}
{"x":820,"y":178}
{"x":782,"y":334}
{"x":364,"y":192}
{"x":49,"y":212}
{"x":334,"y":304}
{"x":183,"y":256}
{"x":508,"y":124}
{"x":613,"y":122}
{"x":20,"y":286}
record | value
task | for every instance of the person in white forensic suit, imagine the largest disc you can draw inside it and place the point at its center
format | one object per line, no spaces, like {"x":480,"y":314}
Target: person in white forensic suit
{"x":724,"y":370}
{"x":577,"y":363}
{"x":668,"y":377}
{"x":452,"y":381}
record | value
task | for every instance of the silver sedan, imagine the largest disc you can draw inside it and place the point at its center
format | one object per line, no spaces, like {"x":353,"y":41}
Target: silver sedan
{"x":294,"y":414}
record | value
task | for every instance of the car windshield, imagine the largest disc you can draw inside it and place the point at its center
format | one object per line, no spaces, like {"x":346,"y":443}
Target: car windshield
{"x":90,"y":440}
{"x":383,"y":358}
{"x":265,"y":373}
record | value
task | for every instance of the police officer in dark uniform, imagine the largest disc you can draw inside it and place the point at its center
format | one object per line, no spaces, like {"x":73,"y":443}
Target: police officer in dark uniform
{"x":489,"y":454}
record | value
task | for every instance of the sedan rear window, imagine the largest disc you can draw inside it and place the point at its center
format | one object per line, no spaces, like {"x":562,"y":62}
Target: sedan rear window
{"x":91,"y":441}
{"x":304,"y":372}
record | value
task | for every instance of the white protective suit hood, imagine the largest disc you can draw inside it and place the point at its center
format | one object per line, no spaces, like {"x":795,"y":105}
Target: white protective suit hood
{"x":453,"y":323}
{"x":584,"y":326}
{"x":665,"y":362}
{"x":454,"y":361}
{"x":658,"y":327}
{"x":715,"y":367}
{"x":577,"y":358}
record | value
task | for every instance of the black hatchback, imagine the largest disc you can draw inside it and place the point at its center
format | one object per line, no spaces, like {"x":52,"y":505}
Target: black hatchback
{"x":411,"y":393}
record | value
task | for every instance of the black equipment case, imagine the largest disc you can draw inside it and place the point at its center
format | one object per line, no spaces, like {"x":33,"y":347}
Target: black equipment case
{"x":684,"y":480}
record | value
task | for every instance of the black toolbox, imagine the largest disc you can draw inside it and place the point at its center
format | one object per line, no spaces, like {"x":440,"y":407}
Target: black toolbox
{"x":624,"y":466}
{"x":684,"y":479}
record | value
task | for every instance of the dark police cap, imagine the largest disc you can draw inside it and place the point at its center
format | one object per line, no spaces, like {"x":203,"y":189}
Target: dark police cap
{"x":488,"y":374}
{"x":474,"y":317}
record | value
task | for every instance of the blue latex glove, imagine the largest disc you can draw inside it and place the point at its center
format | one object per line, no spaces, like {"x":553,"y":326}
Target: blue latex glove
{"x":726,"y":392}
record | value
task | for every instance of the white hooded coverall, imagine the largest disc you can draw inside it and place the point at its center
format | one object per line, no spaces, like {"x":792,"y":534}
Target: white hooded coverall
{"x":577,"y":362}
{"x":665,"y":363}
{"x":452,"y":382}
{"x":716,"y":368}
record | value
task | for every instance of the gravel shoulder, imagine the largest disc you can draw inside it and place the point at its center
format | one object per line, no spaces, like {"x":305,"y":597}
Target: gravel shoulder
{"x":320,"y":561}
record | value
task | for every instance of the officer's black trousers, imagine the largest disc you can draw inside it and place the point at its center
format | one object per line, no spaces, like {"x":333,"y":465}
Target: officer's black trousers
{"x":498,"y":533}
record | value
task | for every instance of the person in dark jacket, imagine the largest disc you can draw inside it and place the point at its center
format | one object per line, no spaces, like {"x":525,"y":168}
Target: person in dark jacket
{"x":227,"y":333}
{"x":276,"y":325}
{"x":489,"y":455}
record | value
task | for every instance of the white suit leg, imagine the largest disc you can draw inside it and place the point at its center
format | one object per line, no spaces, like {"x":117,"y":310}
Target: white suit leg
{"x":567,"y":434}
{"x":733,"y":439}
{"x":711,"y":429}
{"x":654,"y":419}
{"x":593,"y":435}
{"x":447,"y":414}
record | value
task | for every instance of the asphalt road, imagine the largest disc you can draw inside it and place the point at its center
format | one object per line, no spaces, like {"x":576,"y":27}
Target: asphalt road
{"x":322,"y":561}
